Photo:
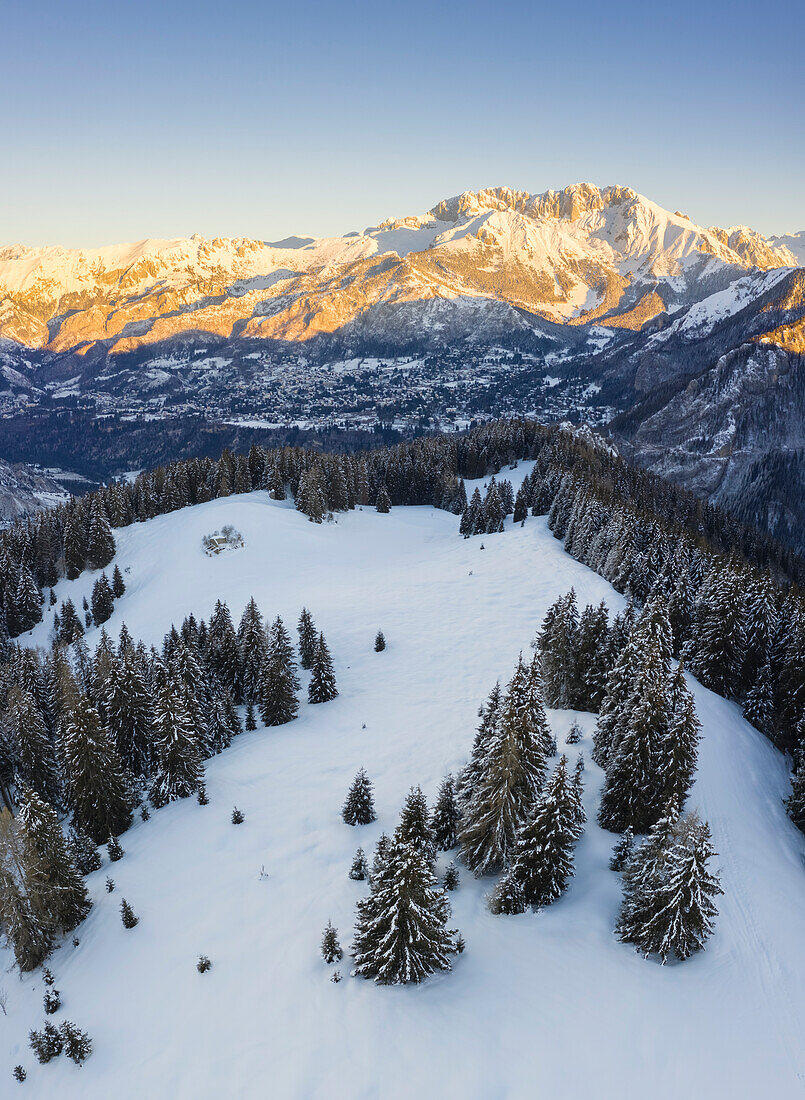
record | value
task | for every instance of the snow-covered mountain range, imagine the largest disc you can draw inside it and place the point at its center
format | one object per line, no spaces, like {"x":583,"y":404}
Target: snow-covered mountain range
{"x":570,"y":257}
{"x":615,"y":309}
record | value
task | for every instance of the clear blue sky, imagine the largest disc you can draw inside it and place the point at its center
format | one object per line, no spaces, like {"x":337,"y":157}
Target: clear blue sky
{"x":263,"y":119}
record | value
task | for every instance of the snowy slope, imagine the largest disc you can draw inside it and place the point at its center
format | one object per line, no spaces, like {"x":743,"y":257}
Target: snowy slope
{"x":538,"y":1005}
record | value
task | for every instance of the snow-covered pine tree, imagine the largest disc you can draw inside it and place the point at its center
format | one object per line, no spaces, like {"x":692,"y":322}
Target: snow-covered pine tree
{"x":25,"y":924}
{"x":127,"y":915}
{"x":759,"y":703}
{"x":100,"y":540}
{"x":308,"y":639}
{"x":223,"y":654}
{"x":84,"y":851}
{"x":77,"y":1044}
{"x":543,"y":857}
{"x":400,"y":931}
{"x":679,"y":912}
{"x":61,"y":891}
{"x":359,"y":806}
{"x":445,"y":818}
{"x":718,"y":642}
{"x":380,"y":642}
{"x":118,"y":584}
{"x":253,"y":650}
{"x":413,"y":827}
{"x":360,"y":868}
{"x":634,"y":786}
{"x":330,"y":947}
{"x":383,"y":504}
{"x":35,"y":763}
{"x":557,"y":645}
{"x":129,"y":713}
{"x":680,"y":749}
{"x":178,"y":769}
{"x":278,"y":680}
{"x":451,"y":877}
{"x":103,"y":600}
{"x":508,"y":783}
{"x":379,"y":857}
{"x":322,"y":685}
{"x":622,"y":851}
{"x":99,"y":791}
{"x":470,"y":774}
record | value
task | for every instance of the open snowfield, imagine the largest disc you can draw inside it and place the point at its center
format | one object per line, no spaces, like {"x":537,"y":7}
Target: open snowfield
{"x":547,"y":1005}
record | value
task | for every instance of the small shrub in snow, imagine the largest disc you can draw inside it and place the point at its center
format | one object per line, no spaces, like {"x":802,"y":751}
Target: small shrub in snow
{"x":460,"y":944}
{"x":574,"y":735}
{"x":114,"y":849}
{"x":202,"y":794}
{"x":251,"y":721}
{"x":359,"y":869}
{"x":19,"y":1074}
{"x":144,"y":814}
{"x":336,"y":978}
{"x":380,"y":642}
{"x":76,"y":941}
{"x":46,"y":1044}
{"x":47,"y":976}
{"x":127,"y":915}
{"x":52,"y":1001}
{"x":237,"y":817}
{"x":77,"y":1044}
{"x":330,"y":947}
{"x":203,"y":964}
{"x":110,"y":885}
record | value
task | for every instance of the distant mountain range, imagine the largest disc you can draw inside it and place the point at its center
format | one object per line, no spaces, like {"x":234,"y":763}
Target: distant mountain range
{"x":690,"y":340}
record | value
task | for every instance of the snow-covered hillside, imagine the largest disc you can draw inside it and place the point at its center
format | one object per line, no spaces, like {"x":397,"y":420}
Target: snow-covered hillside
{"x":538,"y":1005}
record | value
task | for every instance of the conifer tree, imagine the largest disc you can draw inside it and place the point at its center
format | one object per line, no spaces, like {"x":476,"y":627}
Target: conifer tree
{"x":759,"y":704}
{"x":84,"y":851}
{"x":24,"y":922}
{"x":46,"y":1044}
{"x":223,"y":655}
{"x":322,"y":685}
{"x":383,"y":500}
{"x":70,"y":627}
{"x":118,"y":584}
{"x":400,"y":930}
{"x":61,"y":893}
{"x":507,"y":897}
{"x":103,"y":600}
{"x":99,"y":791}
{"x":360,"y":868}
{"x":35,"y":763}
{"x":75,"y":543}
{"x":622,"y":851}
{"x":127,"y":915}
{"x":308,"y":639}
{"x":253,"y":650}
{"x":115,"y":849}
{"x":795,"y":803}
{"x":278,"y":681}
{"x":380,"y":642}
{"x":679,"y":752}
{"x":359,"y":807}
{"x":469,"y":776}
{"x":676,"y":917}
{"x":100,"y":540}
{"x":129,"y":713}
{"x":543,"y":858}
{"x":379,"y":857}
{"x":178,"y":769}
{"x":77,"y":1044}
{"x":413,"y":828}
{"x":451,"y":877}
{"x":445,"y":819}
{"x":330,"y":947}
{"x":557,"y":645}
{"x":510,"y":778}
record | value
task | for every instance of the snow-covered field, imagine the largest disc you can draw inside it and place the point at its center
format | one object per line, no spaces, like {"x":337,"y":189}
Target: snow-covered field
{"x":546,"y":1005}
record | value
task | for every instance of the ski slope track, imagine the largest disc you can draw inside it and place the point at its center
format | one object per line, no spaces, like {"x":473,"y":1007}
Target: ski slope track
{"x":547,"y":1004}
